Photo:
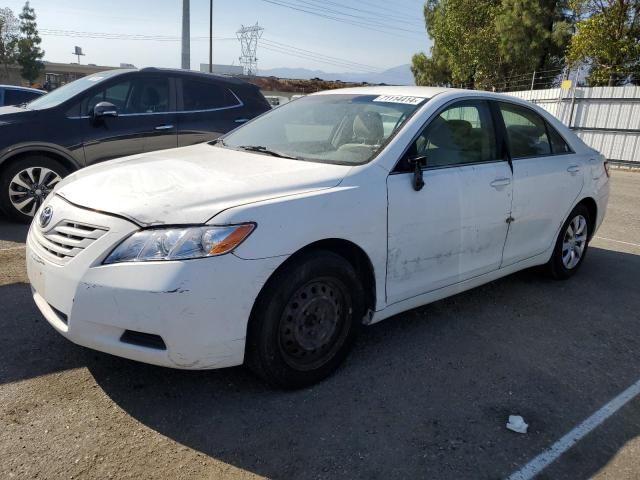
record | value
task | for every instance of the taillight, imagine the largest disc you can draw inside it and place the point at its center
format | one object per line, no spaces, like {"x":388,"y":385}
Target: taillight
{"x":606,"y":168}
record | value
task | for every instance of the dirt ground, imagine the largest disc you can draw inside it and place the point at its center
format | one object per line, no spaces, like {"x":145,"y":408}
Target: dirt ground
{"x":425,"y":394}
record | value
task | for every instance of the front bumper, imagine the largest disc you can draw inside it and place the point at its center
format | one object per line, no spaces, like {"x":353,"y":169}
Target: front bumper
{"x":200,"y":308}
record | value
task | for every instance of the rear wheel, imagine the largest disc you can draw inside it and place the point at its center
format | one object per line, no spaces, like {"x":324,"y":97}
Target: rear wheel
{"x":305,"y":320}
{"x":26,"y":183}
{"x":571,"y":245}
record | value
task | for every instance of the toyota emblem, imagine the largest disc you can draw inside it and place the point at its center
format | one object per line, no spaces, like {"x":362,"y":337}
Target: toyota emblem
{"x":45,"y":217}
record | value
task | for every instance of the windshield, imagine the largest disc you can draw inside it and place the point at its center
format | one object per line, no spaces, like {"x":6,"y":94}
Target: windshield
{"x":70,"y":90}
{"x":332,"y":128}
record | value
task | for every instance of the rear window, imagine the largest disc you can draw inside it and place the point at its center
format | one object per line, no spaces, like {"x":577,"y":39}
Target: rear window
{"x":203,"y":95}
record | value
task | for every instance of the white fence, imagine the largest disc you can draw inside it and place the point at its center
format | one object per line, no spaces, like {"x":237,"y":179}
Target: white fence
{"x":606,"y":118}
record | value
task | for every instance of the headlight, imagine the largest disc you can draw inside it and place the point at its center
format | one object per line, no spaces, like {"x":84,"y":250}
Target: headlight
{"x":179,"y":243}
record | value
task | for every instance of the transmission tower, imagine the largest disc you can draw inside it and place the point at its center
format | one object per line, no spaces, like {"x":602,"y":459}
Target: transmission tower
{"x":248,"y":37}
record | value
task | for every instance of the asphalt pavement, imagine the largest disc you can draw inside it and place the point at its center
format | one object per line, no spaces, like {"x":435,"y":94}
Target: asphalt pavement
{"x":425,"y":394}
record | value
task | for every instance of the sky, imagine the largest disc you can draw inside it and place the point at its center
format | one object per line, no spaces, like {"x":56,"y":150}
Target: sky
{"x":374,"y":34}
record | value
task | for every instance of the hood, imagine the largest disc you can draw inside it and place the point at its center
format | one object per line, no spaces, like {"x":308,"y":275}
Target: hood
{"x":192,"y":184}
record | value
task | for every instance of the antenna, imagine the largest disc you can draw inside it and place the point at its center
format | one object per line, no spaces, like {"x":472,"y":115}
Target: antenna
{"x":248,"y":37}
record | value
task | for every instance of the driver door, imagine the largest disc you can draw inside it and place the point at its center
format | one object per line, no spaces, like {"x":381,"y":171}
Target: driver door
{"x":455,"y":227}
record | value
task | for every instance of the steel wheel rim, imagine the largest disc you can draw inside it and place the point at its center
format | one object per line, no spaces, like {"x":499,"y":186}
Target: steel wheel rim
{"x":574,"y":242}
{"x":29,"y":187}
{"x":314,"y":324}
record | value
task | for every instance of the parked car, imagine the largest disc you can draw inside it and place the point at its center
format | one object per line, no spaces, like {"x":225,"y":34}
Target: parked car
{"x":274,"y":244}
{"x":112,"y":114}
{"x":13,"y":95}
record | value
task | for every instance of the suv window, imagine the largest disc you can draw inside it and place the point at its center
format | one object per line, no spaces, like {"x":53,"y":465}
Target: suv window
{"x":526,"y":130}
{"x":203,"y":95}
{"x":462,"y":133}
{"x":143,"y":95}
{"x":16,"y":97}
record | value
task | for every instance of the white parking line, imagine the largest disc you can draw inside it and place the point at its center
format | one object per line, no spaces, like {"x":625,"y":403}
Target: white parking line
{"x":539,"y":463}
{"x":617,"y":241}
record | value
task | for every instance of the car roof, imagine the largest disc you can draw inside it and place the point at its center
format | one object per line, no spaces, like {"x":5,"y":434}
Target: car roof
{"x":194,"y":73}
{"x":25,"y":89}
{"x":414,"y":91}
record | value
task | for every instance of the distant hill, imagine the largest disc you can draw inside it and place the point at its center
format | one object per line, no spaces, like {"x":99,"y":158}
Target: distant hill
{"x":400,"y":75}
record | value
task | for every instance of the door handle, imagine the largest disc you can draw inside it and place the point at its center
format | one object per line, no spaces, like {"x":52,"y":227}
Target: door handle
{"x":241,"y":120}
{"x":500,"y":182}
{"x":573,"y":169}
{"x":164,"y":127}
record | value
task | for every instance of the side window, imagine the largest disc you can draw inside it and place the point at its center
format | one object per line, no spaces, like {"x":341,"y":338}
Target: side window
{"x":148,"y":95}
{"x":117,"y":94}
{"x":204,"y":95}
{"x":558,"y":145}
{"x":463,"y":133}
{"x":526,"y":131}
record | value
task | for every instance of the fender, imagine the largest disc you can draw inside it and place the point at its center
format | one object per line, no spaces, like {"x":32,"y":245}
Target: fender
{"x":26,"y":147}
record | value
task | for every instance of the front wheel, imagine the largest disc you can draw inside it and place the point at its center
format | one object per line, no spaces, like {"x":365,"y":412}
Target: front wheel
{"x":305,"y":321}
{"x":571,"y":245}
{"x":25,"y":184}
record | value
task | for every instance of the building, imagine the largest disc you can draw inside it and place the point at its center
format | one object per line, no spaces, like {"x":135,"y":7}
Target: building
{"x":223,"y":69}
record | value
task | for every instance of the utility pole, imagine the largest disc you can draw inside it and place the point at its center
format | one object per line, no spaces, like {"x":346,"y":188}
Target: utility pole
{"x":186,"y":36}
{"x":210,"y":36}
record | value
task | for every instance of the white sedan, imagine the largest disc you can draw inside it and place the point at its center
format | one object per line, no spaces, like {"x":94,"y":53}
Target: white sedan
{"x":273,"y":245}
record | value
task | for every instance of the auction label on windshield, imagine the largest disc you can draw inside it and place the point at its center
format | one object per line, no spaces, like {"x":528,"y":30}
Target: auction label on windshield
{"x":399,"y":99}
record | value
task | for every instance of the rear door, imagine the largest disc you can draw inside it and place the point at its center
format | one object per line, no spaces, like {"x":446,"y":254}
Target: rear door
{"x":547,"y":178}
{"x":207,"y":109}
{"x":455,"y":227}
{"x":145,"y":121}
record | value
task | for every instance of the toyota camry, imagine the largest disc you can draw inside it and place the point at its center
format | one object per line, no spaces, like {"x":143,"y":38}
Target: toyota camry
{"x":273,"y":245}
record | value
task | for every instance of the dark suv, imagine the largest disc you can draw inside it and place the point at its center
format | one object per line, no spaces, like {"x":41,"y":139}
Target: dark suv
{"x":112,"y":114}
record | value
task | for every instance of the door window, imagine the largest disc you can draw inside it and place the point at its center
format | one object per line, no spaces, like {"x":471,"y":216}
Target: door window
{"x":203,"y":95}
{"x":526,"y":131}
{"x":462,"y":133}
{"x":116,"y":94}
{"x":144,"y":95}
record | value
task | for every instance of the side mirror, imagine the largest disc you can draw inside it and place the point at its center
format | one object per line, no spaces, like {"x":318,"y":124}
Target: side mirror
{"x":105,"y":109}
{"x":418,"y":162}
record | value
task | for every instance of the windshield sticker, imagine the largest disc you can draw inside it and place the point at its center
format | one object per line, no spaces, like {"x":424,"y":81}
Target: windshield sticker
{"x":399,"y":99}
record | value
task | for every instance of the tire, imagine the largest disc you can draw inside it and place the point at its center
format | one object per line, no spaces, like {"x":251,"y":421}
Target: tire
{"x":571,"y":247}
{"x":305,"y":321}
{"x":37,"y":171}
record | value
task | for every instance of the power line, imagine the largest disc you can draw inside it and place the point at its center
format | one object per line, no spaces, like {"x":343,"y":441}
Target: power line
{"x":365,"y":25}
{"x":314,"y":58}
{"x":320,"y":55}
{"x":121,"y":36}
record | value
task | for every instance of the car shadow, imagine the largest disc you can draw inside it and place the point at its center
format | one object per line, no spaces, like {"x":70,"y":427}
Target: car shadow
{"x":424,"y":394}
{"x":11,"y":231}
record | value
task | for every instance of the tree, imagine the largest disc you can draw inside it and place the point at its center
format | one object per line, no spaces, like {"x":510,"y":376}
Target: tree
{"x":607,"y":39}
{"x":9,"y":30}
{"x":492,"y":43}
{"x":29,"y":52}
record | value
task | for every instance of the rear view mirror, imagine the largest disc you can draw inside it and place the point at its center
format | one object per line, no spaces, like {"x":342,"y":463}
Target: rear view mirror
{"x":105,"y":109}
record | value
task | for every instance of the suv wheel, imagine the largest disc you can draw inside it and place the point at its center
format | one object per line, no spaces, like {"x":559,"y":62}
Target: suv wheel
{"x":25,"y":184}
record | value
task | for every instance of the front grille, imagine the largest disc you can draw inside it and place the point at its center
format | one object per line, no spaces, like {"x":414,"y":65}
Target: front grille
{"x":67,"y":239}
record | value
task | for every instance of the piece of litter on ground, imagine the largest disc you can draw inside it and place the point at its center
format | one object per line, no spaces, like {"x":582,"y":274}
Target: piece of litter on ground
{"x":516,"y":424}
